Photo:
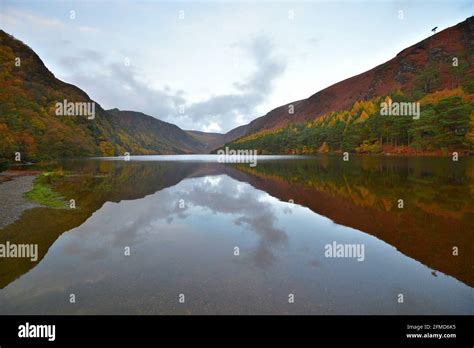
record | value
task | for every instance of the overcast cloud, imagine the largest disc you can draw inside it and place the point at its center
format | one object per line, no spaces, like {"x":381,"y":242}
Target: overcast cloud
{"x":120,"y":84}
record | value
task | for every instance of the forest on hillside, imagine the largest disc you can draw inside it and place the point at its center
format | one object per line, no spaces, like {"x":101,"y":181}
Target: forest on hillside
{"x":445,"y":123}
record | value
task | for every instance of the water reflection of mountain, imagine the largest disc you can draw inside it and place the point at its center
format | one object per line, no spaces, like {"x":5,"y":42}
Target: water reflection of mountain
{"x":437,"y":214}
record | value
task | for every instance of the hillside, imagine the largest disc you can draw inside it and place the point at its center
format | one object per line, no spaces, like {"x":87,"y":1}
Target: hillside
{"x":212,"y":141}
{"x":209,"y":140}
{"x":29,"y":124}
{"x":418,"y":71}
{"x":152,"y":133}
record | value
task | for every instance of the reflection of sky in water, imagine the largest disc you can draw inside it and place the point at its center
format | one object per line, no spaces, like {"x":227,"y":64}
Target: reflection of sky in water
{"x":190,"y":250}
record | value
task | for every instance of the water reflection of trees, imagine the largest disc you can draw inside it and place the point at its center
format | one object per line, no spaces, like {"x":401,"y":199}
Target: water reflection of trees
{"x":438,"y":202}
{"x":90,"y":184}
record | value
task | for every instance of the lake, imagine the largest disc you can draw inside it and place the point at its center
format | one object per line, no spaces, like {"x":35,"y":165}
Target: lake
{"x":188,"y":235}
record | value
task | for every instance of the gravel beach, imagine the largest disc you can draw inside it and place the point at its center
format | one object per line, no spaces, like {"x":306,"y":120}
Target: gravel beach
{"x":13,"y":186}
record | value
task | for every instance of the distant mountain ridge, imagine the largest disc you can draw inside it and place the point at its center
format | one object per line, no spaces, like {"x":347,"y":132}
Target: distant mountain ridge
{"x":155,"y":133}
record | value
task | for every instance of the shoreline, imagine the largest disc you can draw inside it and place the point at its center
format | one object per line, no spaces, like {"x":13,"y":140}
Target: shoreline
{"x":14,"y":184}
{"x":13,"y":168}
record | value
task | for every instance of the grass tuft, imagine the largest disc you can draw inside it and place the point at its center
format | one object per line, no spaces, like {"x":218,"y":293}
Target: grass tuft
{"x":43,"y":193}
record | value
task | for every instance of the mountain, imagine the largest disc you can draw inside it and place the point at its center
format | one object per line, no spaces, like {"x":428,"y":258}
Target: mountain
{"x":154,"y":133}
{"x":29,"y":123}
{"x":212,"y":141}
{"x":417,"y":71}
{"x":209,"y":140}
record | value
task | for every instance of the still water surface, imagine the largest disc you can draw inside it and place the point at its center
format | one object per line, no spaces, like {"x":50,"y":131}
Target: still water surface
{"x":182,"y":220}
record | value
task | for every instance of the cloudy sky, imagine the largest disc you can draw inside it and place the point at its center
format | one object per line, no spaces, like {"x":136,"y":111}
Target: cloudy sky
{"x":215,"y":65}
